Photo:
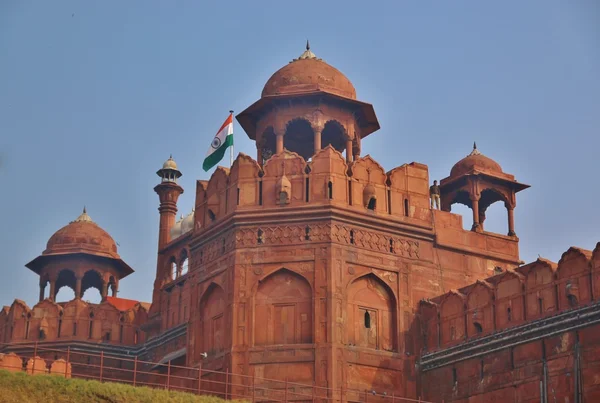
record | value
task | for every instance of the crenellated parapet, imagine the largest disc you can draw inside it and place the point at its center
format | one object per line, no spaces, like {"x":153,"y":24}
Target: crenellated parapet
{"x":511,"y":298}
{"x":115,"y":320}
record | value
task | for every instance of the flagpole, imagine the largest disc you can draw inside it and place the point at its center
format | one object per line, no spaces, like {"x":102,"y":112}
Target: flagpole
{"x":231,"y":148}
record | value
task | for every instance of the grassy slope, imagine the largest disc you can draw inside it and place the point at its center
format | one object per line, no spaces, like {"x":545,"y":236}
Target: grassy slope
{"x":22,"y":388}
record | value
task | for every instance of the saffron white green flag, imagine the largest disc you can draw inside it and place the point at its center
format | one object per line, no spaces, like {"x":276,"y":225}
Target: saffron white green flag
{"x":219,"y":145}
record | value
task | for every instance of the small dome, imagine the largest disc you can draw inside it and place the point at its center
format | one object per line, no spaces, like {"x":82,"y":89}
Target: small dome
{"x":176,"y":229}
{"x":170,"y":163}
{"x":308,"y":74}
{"x":188,"y":223}
{"x":82,"y":235}
{"x":475,"y":160}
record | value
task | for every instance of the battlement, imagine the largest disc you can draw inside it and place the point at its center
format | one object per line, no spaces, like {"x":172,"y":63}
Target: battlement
{"x":529,"y":292}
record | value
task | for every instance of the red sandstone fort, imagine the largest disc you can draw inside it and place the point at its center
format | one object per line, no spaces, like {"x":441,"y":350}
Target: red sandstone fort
{"x":313,"y":264}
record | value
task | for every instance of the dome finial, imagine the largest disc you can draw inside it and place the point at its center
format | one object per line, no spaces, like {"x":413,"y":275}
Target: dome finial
{"x":307,"y":54}
{"x":83,"y":216}
{"x":475,"y":150}
{"x":170,"y":156}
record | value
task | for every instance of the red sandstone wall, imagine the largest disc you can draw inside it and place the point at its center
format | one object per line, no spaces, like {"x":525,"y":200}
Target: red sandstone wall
{"x":515,"y":374}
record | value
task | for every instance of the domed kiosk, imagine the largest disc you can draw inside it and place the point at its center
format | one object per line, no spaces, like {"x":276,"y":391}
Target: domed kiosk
{"x":80,"y":255}
{"x":477,"y":182}
{"x":305,"y":106}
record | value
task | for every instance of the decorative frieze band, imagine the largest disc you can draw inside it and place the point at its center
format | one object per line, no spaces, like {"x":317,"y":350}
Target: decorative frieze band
{"x":298,"y":234}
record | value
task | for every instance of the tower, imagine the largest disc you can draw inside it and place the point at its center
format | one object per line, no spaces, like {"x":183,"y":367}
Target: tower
{"x":168,"y":192}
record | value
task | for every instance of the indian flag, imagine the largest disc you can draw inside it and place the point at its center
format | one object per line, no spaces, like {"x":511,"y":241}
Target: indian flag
{"x":222,"y":140}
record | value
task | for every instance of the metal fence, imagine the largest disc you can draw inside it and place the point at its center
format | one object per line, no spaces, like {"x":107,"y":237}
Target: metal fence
{"x":74,"y":363}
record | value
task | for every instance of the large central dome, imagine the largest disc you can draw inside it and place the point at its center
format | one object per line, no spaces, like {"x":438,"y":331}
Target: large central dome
{"x":308,"y":74}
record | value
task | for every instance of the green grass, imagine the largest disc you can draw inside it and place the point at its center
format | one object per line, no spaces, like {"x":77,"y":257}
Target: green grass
{"x":18,"y":387}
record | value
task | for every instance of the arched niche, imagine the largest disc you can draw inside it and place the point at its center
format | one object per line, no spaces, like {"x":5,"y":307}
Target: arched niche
{"x":91,"y":287}
{"x":540,"y":289}
{"x":335,"y":135}
{"x":283,"y":310}
{"x":510,"y":308}
{"x":300,"y":138}
{"x":573,"y":275}
{"x":452,"y":318}
{"x":371,"y":314}
{"x":480,"y":309}
{"x":210,"y":334}
{"x":66,"y":278}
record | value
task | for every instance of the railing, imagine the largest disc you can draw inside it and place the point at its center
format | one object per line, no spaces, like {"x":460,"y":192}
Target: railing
{"x":71,"y":362}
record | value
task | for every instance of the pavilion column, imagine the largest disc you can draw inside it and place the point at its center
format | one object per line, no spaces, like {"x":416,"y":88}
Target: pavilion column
{"x":317,"y":140}
{"x":511,"y":220}
{"x":475,"y":208}
{"x":104,"y":292}
{"x":349,"y":150}
{"x":259,"y":155}
{"x":114,"y":289}
{"x":42,"y":290}
{"x":78,"y":288}
{"x":279,"y":144}
{"x":52,"y":289}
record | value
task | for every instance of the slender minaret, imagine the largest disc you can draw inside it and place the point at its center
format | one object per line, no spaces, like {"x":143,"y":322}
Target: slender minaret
{"x":168,"y":192}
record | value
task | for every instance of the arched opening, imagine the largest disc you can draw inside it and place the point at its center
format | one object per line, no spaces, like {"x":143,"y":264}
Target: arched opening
{"x":478,"y":327}
{"x":508,"y":314}
{"x":268,"y":144}
{"x":333,"y":133}
{"x":210,"y":336}
{"x":406,"y":208}
{"x":173,"y":268}
{"x":211,"y":215}
{"x":91,"y":280}
{"x":184,"y":263}
{"x":372,"y":203}
{"x":65,"y":286}
{"x":300,"y":138}
{"x":284,"y":301}
{"x":330,"y":190}
{"x":371,"y":314}
{"x":367,"y":320}
{"x":492,"y":215}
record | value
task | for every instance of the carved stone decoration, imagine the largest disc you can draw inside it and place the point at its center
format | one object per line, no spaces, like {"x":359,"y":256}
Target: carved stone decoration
{"x":258,"y":271}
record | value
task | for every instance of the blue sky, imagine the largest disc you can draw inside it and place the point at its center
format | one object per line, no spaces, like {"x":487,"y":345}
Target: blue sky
{"x":94,"y":96}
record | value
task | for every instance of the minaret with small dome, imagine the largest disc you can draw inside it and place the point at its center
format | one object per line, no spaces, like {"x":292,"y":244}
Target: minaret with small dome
{"x":168,"y":191}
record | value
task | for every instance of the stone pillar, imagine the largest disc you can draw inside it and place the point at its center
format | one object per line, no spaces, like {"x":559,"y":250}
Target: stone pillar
{"x":279,"y":144}
{"x":259,"y":155}
{"x":475,"y":208}
{"x":42,"y":290}
{"x":349,"y":150}
{"x":52,"y":290}
{"x":104,"y":292}
{"x":511,"y":220}
{"x":78,"y":287}
{"x":317,"y":140}
{"x":114,"y":289}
